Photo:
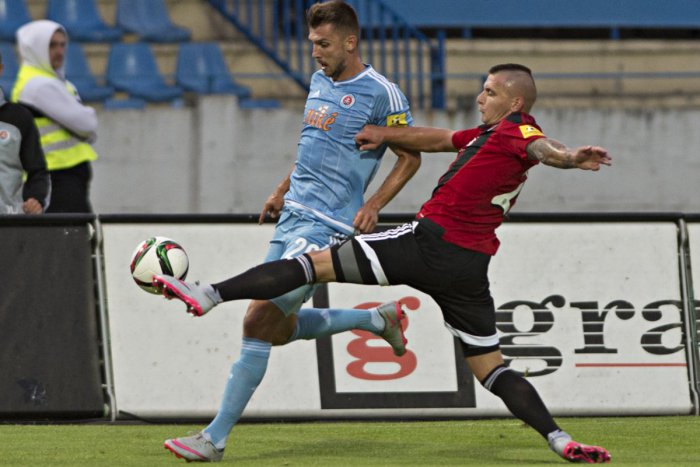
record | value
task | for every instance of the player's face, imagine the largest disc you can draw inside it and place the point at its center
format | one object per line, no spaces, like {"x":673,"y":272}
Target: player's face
{"x":495,"y":101}
{"x":57,"y":49}
{"x":329,"y":50}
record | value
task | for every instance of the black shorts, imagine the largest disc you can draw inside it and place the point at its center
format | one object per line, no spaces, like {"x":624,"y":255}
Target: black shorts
{"x":415,"y":255}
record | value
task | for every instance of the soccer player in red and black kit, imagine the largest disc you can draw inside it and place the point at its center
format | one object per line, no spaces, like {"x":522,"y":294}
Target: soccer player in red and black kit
{"x":446,"y":251}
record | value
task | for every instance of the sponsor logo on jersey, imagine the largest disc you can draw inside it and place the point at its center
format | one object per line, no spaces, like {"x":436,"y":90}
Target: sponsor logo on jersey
{"x":347,"y":101}
{"x":315,"y":94}
{"x":320,"y":118}
{"x":397,"y":120}
{"x":528,"y":131}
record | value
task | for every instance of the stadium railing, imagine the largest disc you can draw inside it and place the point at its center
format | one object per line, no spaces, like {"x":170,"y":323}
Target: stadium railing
{"x":394,"y":47}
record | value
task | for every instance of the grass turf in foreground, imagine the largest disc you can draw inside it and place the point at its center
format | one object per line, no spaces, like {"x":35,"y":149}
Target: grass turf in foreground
{"x":659,"y":441}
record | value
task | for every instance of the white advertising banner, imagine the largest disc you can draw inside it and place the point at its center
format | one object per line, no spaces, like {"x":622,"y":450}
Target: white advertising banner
{"x":167,"y":363}
{"x":589,"y":312}
{"x":694,"y":245}
{"x":596,"y":315}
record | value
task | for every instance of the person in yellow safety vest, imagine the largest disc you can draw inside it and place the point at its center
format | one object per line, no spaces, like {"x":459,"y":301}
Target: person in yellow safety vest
{"x":67,"y":127}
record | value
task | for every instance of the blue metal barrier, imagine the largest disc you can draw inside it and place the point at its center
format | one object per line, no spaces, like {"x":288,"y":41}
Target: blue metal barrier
{"x":402,"y":53}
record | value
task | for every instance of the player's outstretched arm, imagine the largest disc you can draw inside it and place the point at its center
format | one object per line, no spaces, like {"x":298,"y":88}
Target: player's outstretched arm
{"x":407,"y":164}
{"x":553,"y":153}
{"x":421,"y":139}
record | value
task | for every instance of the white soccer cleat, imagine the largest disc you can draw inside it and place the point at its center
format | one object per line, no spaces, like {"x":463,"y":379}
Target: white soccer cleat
{"x":194,"y":449}
{"x":393,"y":314}
{"x":198,"y":298}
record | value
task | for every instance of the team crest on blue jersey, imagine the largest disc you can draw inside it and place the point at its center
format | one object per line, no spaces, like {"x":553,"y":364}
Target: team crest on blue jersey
{"x":4,"y":134}
{"x":347,"y":101}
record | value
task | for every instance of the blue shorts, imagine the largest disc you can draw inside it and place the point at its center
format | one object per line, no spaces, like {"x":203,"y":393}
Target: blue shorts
{"x":297,"y":233}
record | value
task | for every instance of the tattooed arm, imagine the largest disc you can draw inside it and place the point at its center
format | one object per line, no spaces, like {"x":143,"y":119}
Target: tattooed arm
{"x":556,"y":154}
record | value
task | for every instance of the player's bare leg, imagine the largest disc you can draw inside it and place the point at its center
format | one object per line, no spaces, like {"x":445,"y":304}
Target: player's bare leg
{"x":265,"y":321}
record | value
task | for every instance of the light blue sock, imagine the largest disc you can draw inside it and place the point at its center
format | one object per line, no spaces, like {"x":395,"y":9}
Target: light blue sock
{"x":313,"y":323}
{"x":244,"y":378}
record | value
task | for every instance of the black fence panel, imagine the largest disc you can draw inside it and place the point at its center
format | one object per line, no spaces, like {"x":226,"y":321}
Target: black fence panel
{"x":49,"y":353}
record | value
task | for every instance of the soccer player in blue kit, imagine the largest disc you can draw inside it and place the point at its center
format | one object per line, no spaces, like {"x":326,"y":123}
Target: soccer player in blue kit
{"x":320,"y":202}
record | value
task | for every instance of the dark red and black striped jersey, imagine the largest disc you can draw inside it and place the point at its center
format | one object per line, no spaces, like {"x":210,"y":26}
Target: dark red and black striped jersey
{"x":483,"y":182}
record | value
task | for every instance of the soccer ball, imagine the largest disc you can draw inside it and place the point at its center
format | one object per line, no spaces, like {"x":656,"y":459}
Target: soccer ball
{"x":158,"y":255}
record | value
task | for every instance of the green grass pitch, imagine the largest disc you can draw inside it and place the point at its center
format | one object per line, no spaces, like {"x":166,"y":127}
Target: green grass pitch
{"x":642,"y":441}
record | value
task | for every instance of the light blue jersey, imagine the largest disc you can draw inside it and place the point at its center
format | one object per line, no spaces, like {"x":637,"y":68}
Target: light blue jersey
{"x":331,"y":174}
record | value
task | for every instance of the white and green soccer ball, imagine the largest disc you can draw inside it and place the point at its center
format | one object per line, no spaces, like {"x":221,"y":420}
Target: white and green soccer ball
{"x":158,"y":255}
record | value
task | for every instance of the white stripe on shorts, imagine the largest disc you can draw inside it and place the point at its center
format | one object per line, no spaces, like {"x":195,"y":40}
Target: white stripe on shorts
{"x":476,"y":341}
{"x":373,"y":260}
{"x":391,"y":233}
{"x":370,"y":253}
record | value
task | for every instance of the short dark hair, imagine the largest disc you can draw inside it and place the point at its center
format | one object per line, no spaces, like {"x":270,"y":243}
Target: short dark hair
{"x":509,"y":67}
{"x":527,"y":86}
{"x":336,"y":12}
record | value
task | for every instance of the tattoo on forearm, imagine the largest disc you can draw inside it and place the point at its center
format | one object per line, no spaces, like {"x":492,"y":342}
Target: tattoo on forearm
{"x":551,"y":152}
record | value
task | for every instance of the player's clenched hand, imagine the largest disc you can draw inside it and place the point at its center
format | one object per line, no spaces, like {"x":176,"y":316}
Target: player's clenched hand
{"x":272,"y":207}
{"x":366,"y":219}
{"x":591,"y":157}
{"x":369,"y":138}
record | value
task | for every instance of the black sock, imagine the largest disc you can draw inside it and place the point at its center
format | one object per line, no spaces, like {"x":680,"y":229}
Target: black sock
{"x":268,"y":280}
{"x":521,"y":398}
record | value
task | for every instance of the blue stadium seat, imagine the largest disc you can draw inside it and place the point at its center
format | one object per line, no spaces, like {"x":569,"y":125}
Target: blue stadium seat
{"x":201,"y":68}
{"x":9,"y":60}
{"x":82,"y":21}
{"x":149,"y":19}
{"x":130,"y":103}
{"x":78,"y":72}
{"x":132,"y":68}
{"x":267,"y":104}
{"x":13,"y":14}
